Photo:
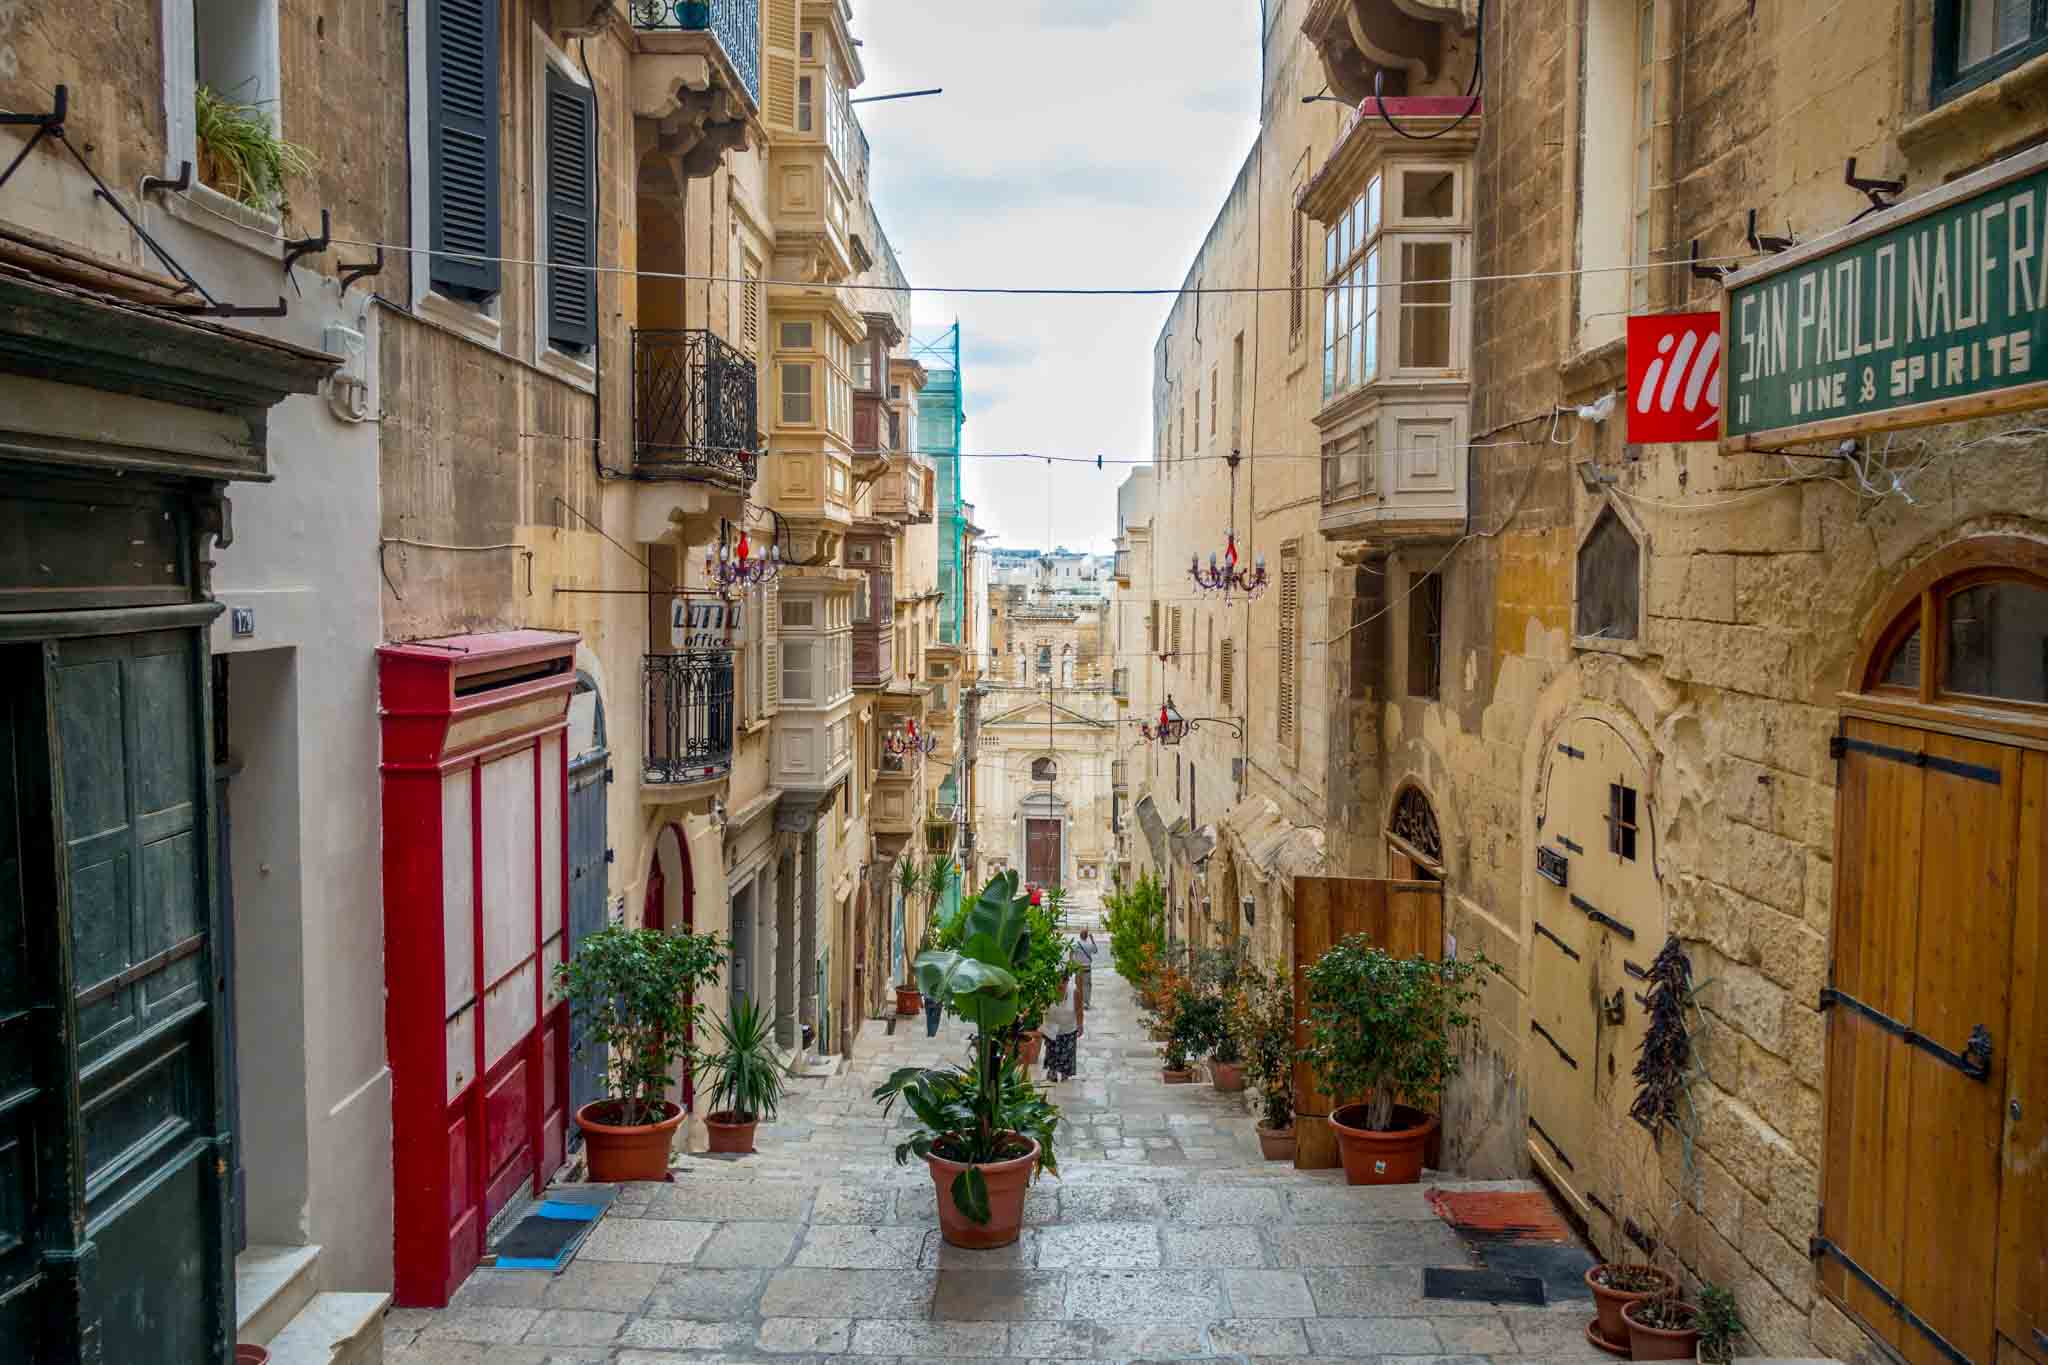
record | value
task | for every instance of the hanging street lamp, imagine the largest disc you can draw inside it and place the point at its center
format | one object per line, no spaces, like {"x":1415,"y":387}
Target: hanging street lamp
{"x":1227,"y":575}
{"x":736,"y":568}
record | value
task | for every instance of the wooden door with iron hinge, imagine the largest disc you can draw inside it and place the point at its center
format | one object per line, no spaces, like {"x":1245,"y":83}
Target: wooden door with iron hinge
{"x":1404,"y":917}
{"x":1934,"y":1198}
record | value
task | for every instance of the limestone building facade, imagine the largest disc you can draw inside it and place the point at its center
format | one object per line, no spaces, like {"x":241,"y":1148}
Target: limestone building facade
{"x":1606,"y":692}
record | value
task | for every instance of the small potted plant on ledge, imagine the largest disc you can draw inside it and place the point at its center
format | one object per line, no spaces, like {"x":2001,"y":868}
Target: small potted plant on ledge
{"x":748,"y":1080}
{"x":632,"y":993}
{"x":241,"y":154}
{"x":985,"y":1132}
{"x":1263,"y":1015}
{"x":1384,"y":1034}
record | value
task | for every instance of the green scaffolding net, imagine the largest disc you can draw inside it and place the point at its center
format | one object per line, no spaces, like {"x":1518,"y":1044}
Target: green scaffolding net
{"x":941,"y":415}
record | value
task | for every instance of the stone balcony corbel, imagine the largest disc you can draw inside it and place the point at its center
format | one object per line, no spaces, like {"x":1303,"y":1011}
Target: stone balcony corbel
{"x":1407,"y":39}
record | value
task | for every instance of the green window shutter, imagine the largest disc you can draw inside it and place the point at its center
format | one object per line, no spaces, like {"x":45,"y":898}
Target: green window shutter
{"x":571,"y":213}
{"x":462,"y":134}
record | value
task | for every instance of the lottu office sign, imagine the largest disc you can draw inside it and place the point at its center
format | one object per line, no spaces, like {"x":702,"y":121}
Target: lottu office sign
{"x":1930,"y":311}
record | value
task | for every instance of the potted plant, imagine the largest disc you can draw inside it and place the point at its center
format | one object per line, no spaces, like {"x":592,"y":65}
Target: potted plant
{"x":1720,"y":1325}
{"x":1662,"y":1327}
{"x":1384,"y":1034}
{"x":1186,"y":1035}
{"x":747,"y":1076}
{"x":1263,"y":1015}
{"x":985,"y":1132}
{"x":1226,"y":1058}
{"x":909,"y":884}
{"x":1615,"y":1285}
{"x":1042,"y":976}
{"x":632,"y":992}
{"x":241,"y":155}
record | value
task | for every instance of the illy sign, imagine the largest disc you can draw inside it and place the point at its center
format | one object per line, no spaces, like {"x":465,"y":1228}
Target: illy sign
{"x":1674,"y":378}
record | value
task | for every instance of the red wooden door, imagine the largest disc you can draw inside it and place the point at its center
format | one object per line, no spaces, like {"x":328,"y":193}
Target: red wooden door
{"x":1042,"y":852}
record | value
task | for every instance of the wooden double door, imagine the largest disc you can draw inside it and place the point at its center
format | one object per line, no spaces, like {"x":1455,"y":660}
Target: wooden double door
{"x":1934,"y":1218}
{"x":1042,"y":852}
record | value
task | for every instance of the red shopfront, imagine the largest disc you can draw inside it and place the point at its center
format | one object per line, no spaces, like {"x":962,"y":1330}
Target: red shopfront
{"x":475,"y":880}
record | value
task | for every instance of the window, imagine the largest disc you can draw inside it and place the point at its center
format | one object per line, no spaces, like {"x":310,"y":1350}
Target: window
{"x":798,"y":661}
{"x":1609,"y":580}
{"x":1425,"y":330}
{"x":805,"y":95}
{"x":1229,"y":670}
{"x":1621,"y":821}
{"x":1996,"y":641}
{"x":462,"y":147}
{"x":1214,"y":384}
{"x":1297,"y":266}
{"x":750,"y":307}
{"x":1351,"y":302}
{"x":569,"y":199}
{"x":796,"y":395}
{"x":807,"y":44}
{"x":233,"y":54}
{"x":1152,"y":628}
{"x":1425,"y":635}
{"x":1615,"y":118}
{"x":1209,"y":659}
{"x":799,"y":611}
{"x":864,"y":365}
{"x":1645,"y":122}
{"x":1237,"y":394}
{"x":1975,"y":40}
{"x":1044,"y":770}
{"x":1290,"y":640}
{"x":795,"y":336}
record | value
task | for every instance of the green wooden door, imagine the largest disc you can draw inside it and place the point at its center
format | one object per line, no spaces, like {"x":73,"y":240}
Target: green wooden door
{"x":131,"y":793}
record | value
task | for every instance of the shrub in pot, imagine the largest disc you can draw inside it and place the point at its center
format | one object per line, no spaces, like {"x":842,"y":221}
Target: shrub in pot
{"x":1664,"y":1327}
{"x":1617,"y":1284}
{"x":748,"y":1079}
{"x":1042,"y":975}
{"x":984,"y":1131}
{"x":1720,"y":1325}
{"x":632,"y":992}
{"x":910,"y":886}
{"x":1384,"y":1035}
{"x":1263,"y":1016}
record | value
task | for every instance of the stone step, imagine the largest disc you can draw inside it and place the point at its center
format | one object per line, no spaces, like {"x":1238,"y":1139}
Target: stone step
{"x":334,"y":1329}
{"x":272,"y":1283}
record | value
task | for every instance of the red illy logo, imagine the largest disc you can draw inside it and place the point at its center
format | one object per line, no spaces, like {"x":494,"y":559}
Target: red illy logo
{"x":1674,"y":377}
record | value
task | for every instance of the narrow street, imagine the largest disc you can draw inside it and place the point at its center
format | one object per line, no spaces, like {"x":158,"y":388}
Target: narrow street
{"x":1167,"y":1238}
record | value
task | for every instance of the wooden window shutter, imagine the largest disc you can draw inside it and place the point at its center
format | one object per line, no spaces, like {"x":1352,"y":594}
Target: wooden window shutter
{"x":750,"y":310}
{"x":1290,"y":641}
{"x":778,"y":64}
{"x":1297,"y":260}
{"x":1152,"y":628}
{"x":771,"y":649}
{"x":1176,"y":635}
{"x":462,"y":141}
{"x":571,"y":215}
{"x":1229,"y":668}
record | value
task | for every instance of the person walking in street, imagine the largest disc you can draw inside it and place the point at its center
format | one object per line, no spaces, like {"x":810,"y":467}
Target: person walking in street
{"x":1063,"y":1034}
{"x":1081,"y":962}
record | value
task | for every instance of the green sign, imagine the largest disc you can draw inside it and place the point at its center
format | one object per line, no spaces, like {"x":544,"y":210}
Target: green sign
{"x":1897,"y":323}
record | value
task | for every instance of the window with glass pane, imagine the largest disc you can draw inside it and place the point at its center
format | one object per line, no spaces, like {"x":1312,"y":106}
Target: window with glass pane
{"x":1975,"y":40}
{"x":1904,"y":668}
{"x":1645,"y":116}
{"x":1997,"y":642}
{"x":1351,"y":304}
{"x":1429,"y":194}
{"x":798,"y":660}
{"x":794,"y":336}
{"x":799,"y":611}
{"x":806,"y":88}
{"x":796,"y":394}
{"x":1425,"y":305}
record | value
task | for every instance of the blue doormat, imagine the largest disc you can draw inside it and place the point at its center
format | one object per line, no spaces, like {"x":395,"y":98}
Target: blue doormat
{"x":548,"y":1236}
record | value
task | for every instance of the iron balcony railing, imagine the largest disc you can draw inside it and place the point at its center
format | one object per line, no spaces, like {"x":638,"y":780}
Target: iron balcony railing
{"x":735,"y":23}
{"x":689,"y":716}
{"x":694,"y":408}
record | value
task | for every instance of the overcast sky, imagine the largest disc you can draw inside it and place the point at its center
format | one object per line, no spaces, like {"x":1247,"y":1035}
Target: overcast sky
{"x":1079,"y":142}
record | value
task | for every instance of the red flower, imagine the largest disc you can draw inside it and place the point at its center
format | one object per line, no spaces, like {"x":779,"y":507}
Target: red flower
{"x":1036,"y":895}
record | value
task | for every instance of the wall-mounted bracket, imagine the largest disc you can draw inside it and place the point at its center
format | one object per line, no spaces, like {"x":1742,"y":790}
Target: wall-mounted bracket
{"x":1872,"y":189}
{"x":296,"y":247}
{"x":351,"y":273}
{"x":1705,"y":272}
{"x":44,"y":124}
{"x":153,"y":183}
{"x":1762,"y":243}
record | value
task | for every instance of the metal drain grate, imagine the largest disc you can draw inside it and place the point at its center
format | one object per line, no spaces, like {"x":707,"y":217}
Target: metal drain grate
{"x":1482,"y":1286}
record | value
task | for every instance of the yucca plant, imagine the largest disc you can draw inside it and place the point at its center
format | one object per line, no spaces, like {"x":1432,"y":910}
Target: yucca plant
{"x":747,"y":1077}
{"x":242,"y":154}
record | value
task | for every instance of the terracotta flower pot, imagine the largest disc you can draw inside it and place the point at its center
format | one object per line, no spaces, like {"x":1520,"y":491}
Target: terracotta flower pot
{"x":1007,"y":1183}
{"x":909,"y":1000}
{"x":627,"y":1151}
{"x":1374,"y":1158}
{"x":1610,"y":1302}
{"x":1173,"y":1077}
{"x":1660,"y":1343}
{"x":728,"y":1133}
{"x":1227,"y":1076}
{"x":1277,"y":1144}
{"x":251,"y":1355}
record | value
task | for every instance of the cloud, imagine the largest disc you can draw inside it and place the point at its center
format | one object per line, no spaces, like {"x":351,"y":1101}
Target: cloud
{"x":1224,"y":99}
{"x":1088,"y":13}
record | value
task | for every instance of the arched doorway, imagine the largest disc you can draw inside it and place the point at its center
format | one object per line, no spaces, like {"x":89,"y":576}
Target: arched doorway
{"x":1932,"y":1181}
{"x":1415,"y":844}
{"x":670,"y":905}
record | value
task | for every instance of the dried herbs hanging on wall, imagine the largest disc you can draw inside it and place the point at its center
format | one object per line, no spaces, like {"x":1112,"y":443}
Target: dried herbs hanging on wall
{"x":1663,"y":1070}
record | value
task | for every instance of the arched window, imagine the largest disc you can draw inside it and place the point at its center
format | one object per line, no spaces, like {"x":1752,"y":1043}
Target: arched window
{"x":1975,"y":634}
{"x":1044,"y":770}
{"x":1414,"y":829}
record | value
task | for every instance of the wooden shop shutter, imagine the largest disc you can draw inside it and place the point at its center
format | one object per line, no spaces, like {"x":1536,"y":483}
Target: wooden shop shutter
{"x":462,"y":140}
{"x":571,"y":215}
{"x":778,"y":65}
{"x":1229,"y":668}
{"x":1290,"y":638}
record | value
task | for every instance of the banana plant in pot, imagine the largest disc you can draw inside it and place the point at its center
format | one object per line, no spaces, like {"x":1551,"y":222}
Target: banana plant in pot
{"x":985,"y":1132}
{"x":747,"y":1077}
{"x":632,"y":992}
{"x":1384,"y":1034}
{"x":909,"y":886}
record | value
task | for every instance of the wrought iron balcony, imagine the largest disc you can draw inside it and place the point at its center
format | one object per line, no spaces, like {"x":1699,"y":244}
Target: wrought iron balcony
{"x":695,"y":404}
{"x":736,"y":24}
{"x":689,"y":717}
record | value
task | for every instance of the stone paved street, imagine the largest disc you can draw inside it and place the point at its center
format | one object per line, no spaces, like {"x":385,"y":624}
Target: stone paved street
{"x":1168,"y":1239}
